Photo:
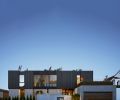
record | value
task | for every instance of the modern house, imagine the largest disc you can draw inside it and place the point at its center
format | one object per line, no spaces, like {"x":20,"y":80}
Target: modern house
{"x":62,"y":83}
{"x":26,"y":83}
{"x":4,"y":94}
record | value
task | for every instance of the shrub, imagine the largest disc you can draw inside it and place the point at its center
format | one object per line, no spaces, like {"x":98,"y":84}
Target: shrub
{"x":22,"y":98}
{"x":9,"y":98}
{"x":30,"y":97}
{"x":33,"y":97}
{"x":76,"y":97}
{"x":27,"y":97}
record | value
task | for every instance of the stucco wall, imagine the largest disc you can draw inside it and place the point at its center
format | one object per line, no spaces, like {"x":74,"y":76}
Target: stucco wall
{"x":14,"y":92}
{"x":28,"y":92}
{"x":52,"y":97}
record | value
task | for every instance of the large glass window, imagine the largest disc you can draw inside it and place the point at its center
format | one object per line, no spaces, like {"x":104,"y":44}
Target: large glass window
{"x":45,"y":80}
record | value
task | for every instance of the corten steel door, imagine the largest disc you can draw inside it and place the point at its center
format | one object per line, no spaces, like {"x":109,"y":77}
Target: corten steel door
{"x":98,"y":96}
{"x":22,"y":93}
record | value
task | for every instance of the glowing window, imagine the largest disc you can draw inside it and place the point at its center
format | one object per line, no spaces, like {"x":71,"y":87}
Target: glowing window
{"x":78,"y":79}
{"x":21,"y":84}
{"x":45,"y":80}
{"x":21,"y":80}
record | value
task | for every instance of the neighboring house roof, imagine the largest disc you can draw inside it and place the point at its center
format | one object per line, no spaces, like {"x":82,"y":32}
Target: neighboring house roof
{"x":96,"y":83}
{"x":3,"y":90}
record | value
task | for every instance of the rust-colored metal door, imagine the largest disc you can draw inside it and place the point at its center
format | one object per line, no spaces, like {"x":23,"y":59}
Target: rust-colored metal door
{"x":22,"y":93}
{"x":98,"y":96}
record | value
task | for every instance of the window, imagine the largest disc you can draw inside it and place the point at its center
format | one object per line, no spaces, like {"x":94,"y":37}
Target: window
{"x":45,"y":80}
{"x":21,"y":80}
{"x":78,"y":79}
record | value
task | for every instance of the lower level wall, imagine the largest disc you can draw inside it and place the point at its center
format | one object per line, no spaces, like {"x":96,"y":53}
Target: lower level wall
{"x":49,"y":91}
{"x":14,"y":92}
{"x":28,"y":92}
{"x":5,"y":94}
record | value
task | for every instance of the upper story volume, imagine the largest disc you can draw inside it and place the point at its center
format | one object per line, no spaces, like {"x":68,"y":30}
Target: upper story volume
{"x":47,"y":79}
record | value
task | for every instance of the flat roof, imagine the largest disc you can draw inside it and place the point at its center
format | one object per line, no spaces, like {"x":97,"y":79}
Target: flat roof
{"x":53,"y":70}
{"x":95,"y":83}
{"x":3,"y":90}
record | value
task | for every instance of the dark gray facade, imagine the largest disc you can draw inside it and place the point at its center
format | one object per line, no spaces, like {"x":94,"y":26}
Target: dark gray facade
{"x":65,"y":79}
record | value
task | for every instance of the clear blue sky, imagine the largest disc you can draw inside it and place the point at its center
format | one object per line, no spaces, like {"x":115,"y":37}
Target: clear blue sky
{"x":70,"y":34}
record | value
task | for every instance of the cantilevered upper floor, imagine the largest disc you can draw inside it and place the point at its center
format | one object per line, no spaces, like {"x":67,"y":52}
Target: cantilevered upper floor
{"x":47,"y":79}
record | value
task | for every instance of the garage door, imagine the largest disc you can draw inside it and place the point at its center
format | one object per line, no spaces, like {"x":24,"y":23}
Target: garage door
{"x":98,"y":96}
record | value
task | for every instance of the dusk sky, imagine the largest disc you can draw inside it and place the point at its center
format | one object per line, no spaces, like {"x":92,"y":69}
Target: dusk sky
{"x":72,"y":34}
